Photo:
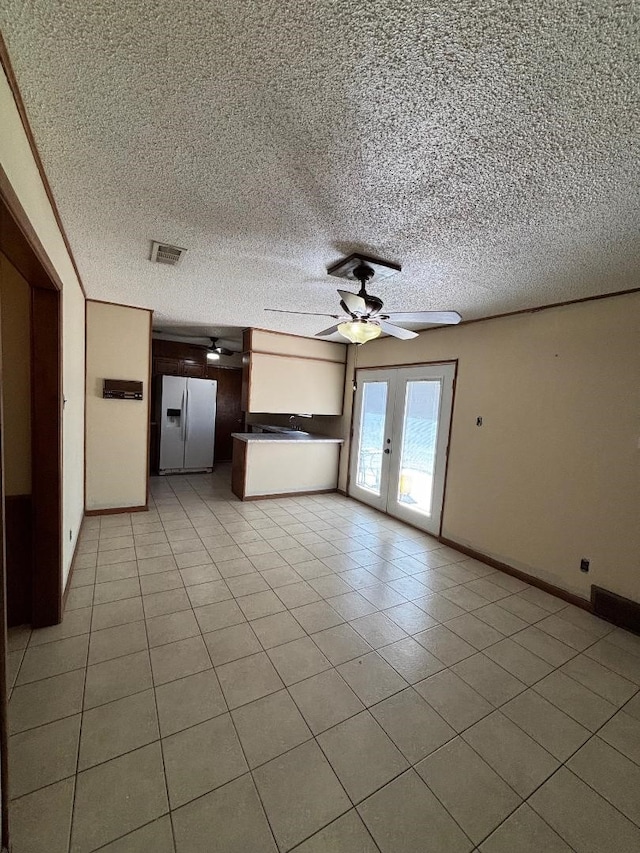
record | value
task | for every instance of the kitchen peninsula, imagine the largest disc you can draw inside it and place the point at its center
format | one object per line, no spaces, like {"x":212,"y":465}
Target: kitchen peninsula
{"x":283,"y":463}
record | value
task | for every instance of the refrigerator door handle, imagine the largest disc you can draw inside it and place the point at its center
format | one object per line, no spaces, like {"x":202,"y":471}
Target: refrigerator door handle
{"x":183,"y":416}
{"x":186,"y":415}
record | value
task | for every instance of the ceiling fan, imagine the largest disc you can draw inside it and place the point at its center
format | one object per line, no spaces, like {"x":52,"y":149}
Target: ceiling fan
{"x":363,"y":318}
{"x":216,"y":349}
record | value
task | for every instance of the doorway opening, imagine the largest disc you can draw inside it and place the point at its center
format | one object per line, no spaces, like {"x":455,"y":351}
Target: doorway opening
{"x":401,"y":426}
{"x":33,"y":560}
{"x":189,"y":361}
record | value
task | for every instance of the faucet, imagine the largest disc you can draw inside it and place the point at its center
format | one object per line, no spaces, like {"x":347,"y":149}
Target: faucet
{"x":292,"y":421}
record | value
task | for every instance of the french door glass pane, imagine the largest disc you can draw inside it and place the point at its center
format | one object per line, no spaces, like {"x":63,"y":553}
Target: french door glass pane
{"x":418,"y":451}
{"x":371,"y":439}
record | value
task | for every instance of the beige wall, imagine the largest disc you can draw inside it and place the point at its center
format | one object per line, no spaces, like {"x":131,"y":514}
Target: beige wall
{"x":22,"y":172}
{"x":118,"y":347}
{"x":279,"y":342}
{"x":553,"y":475}
{"x":290,"y":374}
{"x":278,"y":467}
{"x":15,"y":304}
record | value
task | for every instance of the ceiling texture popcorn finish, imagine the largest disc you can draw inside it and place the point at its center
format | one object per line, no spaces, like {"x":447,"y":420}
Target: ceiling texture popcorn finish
{"x":491,"y":148}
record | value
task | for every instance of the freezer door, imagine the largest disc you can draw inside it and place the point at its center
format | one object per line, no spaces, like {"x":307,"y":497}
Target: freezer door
{"x":200,"y":424}
{"x":172,"y":423}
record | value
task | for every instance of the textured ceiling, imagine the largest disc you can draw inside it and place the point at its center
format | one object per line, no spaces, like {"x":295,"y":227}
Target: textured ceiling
{"x":491,"y":148}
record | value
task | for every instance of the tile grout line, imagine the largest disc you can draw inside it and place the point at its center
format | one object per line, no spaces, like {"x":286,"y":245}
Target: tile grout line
{"x":412,"y":766}
{"x":82,"y":711}
{"x":378,"y":610}
{"x":526,"y":687}
{"x":366,"y":709}
{"x":233,"y":723}
{"x":157,"y":712}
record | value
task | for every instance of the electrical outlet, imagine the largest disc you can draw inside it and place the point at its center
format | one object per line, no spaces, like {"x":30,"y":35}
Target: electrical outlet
{"x":478,"y":421}
{"x":70,"y":535}
{"x":584,"y":565}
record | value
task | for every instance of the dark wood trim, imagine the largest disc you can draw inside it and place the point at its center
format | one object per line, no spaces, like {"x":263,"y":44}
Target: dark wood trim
{"x":288,"y":495}
{"x":84,"y":431}
{"x":291,"y":355}
{"x":239,"y":468}
{"x":46,"y":455}
{"x":569,"y":597}
{"x":17,"y":97}
{"x":4,"y":716}
{"x":616,"y":608}
{"x":25,"y":244}
{"x":146,"y":497}
{"x":409,"y":364}
{"x":448,"y":454}
{"x":544,"y":307}
{"x":353,"y":407}
{"x":119,"y":304}
{"x":72,"y":567}
{"x":18,"y":513}
{"x":245,"y":393}
{"x":116,"y":510}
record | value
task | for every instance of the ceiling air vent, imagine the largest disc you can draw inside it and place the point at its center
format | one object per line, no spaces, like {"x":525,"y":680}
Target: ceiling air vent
{"x":162,"y":253}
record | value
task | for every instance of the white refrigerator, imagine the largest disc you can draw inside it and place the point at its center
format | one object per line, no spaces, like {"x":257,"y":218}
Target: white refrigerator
{"x":187,"y":424}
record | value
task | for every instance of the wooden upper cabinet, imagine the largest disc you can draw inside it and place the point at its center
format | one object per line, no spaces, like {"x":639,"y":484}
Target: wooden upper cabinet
{"x":193,"y":369}
{"x":166,"y":366}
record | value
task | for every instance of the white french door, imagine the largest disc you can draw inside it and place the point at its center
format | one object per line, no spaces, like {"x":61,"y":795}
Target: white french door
{"x":400,"y":441}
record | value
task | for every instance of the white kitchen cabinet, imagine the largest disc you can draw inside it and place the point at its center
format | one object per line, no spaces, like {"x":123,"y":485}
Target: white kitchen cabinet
{"x":285,"y":374}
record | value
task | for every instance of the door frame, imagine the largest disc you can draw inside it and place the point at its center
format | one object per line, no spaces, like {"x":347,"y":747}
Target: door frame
{"x":383,"y":367}
{"x":21,"y":245}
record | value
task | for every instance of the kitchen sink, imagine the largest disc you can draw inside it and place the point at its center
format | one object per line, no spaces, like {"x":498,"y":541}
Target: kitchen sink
{"x":284,"y":430}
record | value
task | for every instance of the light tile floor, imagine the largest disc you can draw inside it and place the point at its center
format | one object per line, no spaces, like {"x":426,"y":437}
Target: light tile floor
{"x":307,"y":674}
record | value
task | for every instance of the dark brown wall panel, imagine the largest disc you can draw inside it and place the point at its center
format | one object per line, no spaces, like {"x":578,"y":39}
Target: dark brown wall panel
{"x":19,"y":558}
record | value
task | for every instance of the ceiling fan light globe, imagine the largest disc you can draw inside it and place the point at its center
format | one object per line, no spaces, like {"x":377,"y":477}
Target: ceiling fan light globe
{"x":359,"y":331}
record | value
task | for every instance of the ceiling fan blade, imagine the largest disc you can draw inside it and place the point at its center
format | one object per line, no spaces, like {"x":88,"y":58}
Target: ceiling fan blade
{"x":326,"y":332}
{"x":396,"y":331}
{"x":438,"y":318}
{"x":307,"y":313}
{"x":354,"y":303}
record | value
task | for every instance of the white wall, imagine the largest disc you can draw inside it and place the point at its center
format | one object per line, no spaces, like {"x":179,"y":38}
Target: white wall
{"x":22,"y":172}
{"x":118,"y":347}
{"x":553,"y":474}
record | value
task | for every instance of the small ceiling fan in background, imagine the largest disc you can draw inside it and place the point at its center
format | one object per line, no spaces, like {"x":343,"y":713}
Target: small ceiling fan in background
{"x":216,"y":349}
{"x":363,"y":318}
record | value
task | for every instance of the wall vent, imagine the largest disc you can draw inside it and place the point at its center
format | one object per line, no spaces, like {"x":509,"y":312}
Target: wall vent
{"x":621,"y":611}
{"x":163,"y":253}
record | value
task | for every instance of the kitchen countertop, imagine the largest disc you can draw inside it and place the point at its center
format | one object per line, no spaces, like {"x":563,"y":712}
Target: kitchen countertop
{"x":278,"y":437}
